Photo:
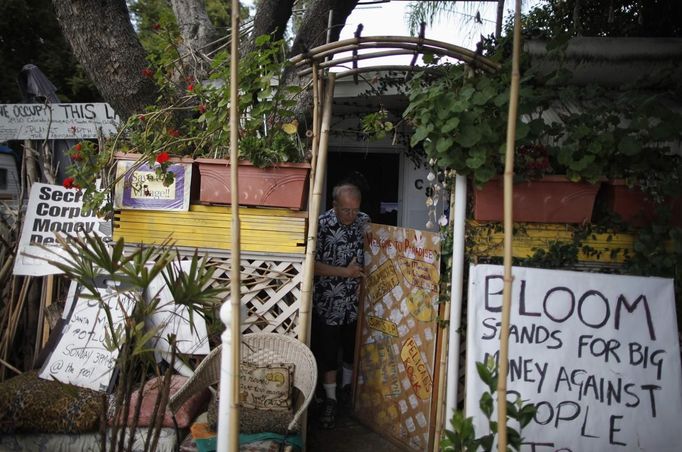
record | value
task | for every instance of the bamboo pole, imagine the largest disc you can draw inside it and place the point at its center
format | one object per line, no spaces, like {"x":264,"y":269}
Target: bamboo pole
{"x":314,"y":210}
{"x":508,"y":225}
{"x":228,"y":429}
{"x":306,"y":292}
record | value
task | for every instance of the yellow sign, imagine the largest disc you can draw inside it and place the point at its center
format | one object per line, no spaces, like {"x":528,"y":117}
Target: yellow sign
{"x":379,"y":368}
{"x":383,"y":325}
{"x":419,"y":273}
{"x":420,"y":305}
{"x":381,"y":281}
{"x":416,"y":369}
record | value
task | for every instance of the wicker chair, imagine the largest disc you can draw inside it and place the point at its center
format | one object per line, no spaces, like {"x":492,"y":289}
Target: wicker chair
{"x":261,"y":349}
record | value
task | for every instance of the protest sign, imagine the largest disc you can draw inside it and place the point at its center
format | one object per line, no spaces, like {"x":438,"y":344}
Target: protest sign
{"x":51,"y":210}
{"x":597,"y":354}
{"x":81,"y":356}
{"x":398,"y":332}
{"x":139,"y":187}
{"x":56,"y":121}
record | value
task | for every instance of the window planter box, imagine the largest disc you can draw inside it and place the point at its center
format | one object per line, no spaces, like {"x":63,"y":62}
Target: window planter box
{"x":284,"y":185}
{"x":552,"y":199}
{"x":633,"y":205}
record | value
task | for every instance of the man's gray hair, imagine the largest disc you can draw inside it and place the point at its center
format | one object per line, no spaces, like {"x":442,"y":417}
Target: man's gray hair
{"x":346,"y":188}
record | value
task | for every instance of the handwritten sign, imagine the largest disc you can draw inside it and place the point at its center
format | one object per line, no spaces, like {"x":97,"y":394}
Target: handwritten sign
{"x":597,"y":354}
{"x":397,"y":347}
{"x":51,"y":210}
{"x":141,"y":188}
{"x":56,"y":121}
{"x":81,"y":357}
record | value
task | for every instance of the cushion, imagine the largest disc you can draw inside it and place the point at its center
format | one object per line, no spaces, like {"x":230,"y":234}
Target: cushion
{"x":253,"y":420}
{"x":30,"y":404}
{"x":266,"y":387}
{"x":152,"y":390}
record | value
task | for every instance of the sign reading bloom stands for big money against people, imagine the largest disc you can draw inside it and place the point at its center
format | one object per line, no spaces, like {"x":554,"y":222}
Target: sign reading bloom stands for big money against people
{"x":52,"y":210}
{"x":56,"y":121}
{"x":597,"y":354}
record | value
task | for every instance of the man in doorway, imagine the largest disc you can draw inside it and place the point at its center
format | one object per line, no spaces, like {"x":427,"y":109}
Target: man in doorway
{"x":339,"y":262}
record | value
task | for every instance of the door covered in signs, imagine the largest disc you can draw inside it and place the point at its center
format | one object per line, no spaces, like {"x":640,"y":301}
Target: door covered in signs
{"x":398,"y":333}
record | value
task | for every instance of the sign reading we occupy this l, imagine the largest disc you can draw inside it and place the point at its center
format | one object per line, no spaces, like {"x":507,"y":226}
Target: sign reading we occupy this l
{"x":597,"y":354}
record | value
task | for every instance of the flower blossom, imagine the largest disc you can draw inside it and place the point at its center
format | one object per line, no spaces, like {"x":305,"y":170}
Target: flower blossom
{"x":163,"y":157}
{"x":69,"y":183}
{"x":173,"y":132}
{"x":202,"y":108}
{"x":147,"y":72}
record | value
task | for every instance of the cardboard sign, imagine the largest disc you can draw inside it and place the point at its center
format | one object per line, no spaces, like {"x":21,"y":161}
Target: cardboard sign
{"x":140,"y":188}
{"x":51,"y":210}
{"x":57,"y":121}
{"x":398,"y":332}
{"x":81,"y":357}
{"x":597,"y":354}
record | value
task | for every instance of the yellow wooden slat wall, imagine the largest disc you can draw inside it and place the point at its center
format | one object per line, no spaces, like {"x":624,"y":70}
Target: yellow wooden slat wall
{"x":606,"y":247}
{"x":262,"y":230}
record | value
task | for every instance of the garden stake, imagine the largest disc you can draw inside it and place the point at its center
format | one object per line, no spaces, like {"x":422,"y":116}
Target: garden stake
{"x":503,"y":363}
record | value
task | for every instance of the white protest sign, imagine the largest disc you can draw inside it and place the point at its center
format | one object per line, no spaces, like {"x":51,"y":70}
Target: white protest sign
{"x":597,"y":354}
{"x":56,"y":121}
{"x":171,"y":318}
{"x":81,"y":357}
{"x":53,"y":209}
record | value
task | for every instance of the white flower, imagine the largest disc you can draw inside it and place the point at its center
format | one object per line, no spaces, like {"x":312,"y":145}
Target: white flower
{"x":443,"y":220}
{"x":431,"y":177}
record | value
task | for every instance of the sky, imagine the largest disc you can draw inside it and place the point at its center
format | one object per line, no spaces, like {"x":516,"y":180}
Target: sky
{"x":390,"y":19}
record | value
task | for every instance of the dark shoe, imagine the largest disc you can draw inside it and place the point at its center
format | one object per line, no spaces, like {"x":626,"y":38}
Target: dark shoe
{"x":345,"y":397}
{"x":328,"y":417}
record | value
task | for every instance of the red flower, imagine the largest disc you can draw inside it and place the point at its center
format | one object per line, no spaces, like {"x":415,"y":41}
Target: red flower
{"x":162,"y":157}
{"x":147,"y":72}
{"x":190,"y":87}
{"x":202,"y":108}
{"x":156,"y":26}
{"x":77,"y":147}
{"x":77,"y":156}
{"x":173,"y":132}
{"x":140,"y":117}
{"x":68,"y":183}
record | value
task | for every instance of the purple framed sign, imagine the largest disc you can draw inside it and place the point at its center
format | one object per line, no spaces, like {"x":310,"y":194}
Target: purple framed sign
{"x":141,"y":188}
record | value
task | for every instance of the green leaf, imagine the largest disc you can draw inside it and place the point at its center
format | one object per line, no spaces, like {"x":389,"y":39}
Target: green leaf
{"x":444,"y":144}
{"x":450,"y":125}
{"x":486,"y":404}
{"x":629,"y":146}
{"x":468,"y":136}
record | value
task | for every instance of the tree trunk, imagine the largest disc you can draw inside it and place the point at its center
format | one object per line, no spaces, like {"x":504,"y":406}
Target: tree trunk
{"x":197,"y":33}
{"x":271,"y":17}
{"x":313,"y":31}
{"x":104,"y":42}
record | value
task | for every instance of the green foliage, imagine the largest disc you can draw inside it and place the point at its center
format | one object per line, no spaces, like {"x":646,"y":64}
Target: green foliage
{"x":376,"y":125}
{"x":89,"y":261}
{"x":586,"y":133}
{"x":462,"y":436}
{"x":30,"y":34}
{"x":192,"y":119}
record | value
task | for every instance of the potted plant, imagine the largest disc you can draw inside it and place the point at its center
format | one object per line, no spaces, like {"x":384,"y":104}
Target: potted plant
{"x":460,"y":119}
{"x":191,"y":124}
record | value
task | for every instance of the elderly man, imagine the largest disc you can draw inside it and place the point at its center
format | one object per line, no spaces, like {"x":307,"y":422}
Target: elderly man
{"x":338,"y":271}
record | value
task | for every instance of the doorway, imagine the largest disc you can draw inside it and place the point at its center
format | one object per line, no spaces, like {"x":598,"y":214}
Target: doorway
{"x":380,"y":175}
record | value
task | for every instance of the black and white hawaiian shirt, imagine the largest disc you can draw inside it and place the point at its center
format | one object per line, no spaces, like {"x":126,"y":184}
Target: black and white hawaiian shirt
{"x":335,"y":299}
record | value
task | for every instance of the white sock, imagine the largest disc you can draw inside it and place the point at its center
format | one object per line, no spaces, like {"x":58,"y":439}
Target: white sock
{"x":346,"y":376}
{"x":330,"y":390}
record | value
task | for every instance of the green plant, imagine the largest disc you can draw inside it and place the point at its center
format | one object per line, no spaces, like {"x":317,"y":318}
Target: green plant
{"x":89,"y":261}
{"x":463,"y":437}
{"x":587,"y":132}
{"x":192,"y":119}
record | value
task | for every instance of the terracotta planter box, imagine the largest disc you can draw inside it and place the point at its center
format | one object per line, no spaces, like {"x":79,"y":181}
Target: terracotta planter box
{"x":634,"y":207}
{"x":553,"y":199}
{"x":284,"y":185}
